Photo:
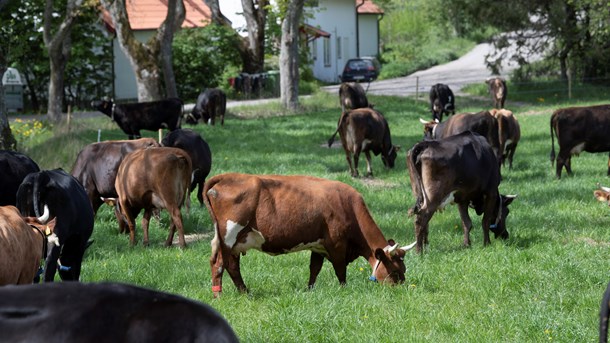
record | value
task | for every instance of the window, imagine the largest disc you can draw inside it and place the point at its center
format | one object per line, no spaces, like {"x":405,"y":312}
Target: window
{"x":327,"y":52}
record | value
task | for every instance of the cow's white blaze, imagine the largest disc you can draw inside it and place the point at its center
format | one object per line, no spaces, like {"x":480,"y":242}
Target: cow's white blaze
{"x":233,"y":229}
{"x":254,"y":240}
{"x":577,"y":149}
{"x":448,"y":201}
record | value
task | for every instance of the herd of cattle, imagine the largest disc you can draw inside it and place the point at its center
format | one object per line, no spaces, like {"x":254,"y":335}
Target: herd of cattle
{"x":49,"y":214}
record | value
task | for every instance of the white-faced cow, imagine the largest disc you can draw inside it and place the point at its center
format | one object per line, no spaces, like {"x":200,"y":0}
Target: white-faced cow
{"x":365,"y":130}
{"x":283,"y":214}
{"x":211,"y":103}
{"x":460,"y":169}
{"x":441,"y":101}
{"x":199,"y":152}
{"x":497,"y":90}
{"x":55,"y":194}
{"x":482,"y":123}
{"x":352,"y":96}
{"x":106,"y":312}
{"x":604,"y":312}
{"x":96,"y":167}
{"x":152,"y":116}
{"x":509,"y":133}
{"x":155,"y":178}
{"x":22,"y":246}
{"x":579,"y":129}
{"x":14,"y":167}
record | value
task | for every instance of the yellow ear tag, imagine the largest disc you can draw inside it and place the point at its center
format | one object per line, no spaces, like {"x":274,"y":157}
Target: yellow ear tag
{"x":47,"y":231}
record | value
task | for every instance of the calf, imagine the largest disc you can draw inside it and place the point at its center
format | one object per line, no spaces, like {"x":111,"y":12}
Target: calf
{"x":579,"y":129}
{"x":509,"y":133}
{"x":352,"y":96}
{"x":441,"y":101}
{"x":62,"y":197}
{"x":460,"y":169}
{"x":283,"y":214}
{"x":152,"y":116}
{"x":604,"y":312}
{"x":199,"y":152}
{"x":96,"y":167}
{"x":210,"y":103}
{"x":497,"y":90}
{"x":482,"y":123}
{"x":14,"y":167}
{"x":151,"y":179}
{"x":365,"y":130}
{"x":106,"y":312}
{"x":21,"y":248}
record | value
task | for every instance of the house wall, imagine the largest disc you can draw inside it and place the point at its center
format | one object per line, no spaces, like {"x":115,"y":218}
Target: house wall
{"x":337,"y":17}
{"x":125,"y":87}
{"x":368,"y":32}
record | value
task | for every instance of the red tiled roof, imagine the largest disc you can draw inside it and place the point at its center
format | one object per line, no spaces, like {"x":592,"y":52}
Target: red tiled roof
{"x":149,"y":14}
{"x":368,"y":7}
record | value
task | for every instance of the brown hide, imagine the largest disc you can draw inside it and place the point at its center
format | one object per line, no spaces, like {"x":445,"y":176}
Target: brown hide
{"x":497,"y":90}
{"x":509,"y":133}
{"x":21,"y":248}
{"x":352,"y":96}
{"x":154,"y":178}
{"x":281,"y":214}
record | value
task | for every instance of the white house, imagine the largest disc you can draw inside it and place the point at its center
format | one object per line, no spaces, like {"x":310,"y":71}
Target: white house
{"x":345,"y":29}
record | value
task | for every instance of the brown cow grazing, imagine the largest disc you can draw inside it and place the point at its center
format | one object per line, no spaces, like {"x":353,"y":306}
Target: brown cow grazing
{"x":282,"y":214}
{"x":365,"y":130}
{"x":604,"y":312}
{"x":352,"y":96}
{"x":460,"y":169}
{"x":579,"y":129}
{"x":22,"y":247}
{"x":106,"y":312}
{"x":96,"y":167}
{"x":497,"y":90}
{"x":509,"y":132}
{"x":482,"y":123}
{"x":154,"y":178}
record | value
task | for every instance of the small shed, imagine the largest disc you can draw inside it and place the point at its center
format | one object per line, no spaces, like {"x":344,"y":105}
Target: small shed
{"x":13,"y":90}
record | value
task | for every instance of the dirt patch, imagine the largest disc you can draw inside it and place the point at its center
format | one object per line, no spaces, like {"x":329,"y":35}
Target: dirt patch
{"x":377,"y":183}
{"x":591,"y":242}
{"x":192,"y":237}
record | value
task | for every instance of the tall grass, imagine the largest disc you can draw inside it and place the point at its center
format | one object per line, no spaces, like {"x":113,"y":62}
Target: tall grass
{"x":543,"y":284}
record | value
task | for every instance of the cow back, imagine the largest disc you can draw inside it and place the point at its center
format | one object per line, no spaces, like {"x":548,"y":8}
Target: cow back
{"x":365,"y":124}
{"x":196,"y":147}
{"x":20,"y":248}
{"x":352,"y":96}
{"x":14,"y":167}
{"x":589,"y":125}
{"x":482,"y":123}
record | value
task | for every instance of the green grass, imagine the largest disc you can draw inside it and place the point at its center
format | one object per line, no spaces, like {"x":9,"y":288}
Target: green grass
{"x":543,"y":284}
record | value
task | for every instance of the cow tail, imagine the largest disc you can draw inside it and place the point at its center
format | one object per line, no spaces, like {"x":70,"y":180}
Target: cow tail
{"x":207,"y":192}
{"x":603,"y":316}
{"x":414,"y":166}
{"x":331,"y":140}
{"x":552,"y":140}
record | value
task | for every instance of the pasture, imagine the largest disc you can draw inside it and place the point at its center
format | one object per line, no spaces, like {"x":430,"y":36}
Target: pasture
{"x":544,"y":283}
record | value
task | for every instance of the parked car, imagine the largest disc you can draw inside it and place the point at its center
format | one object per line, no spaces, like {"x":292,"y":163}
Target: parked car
{"x":361,"y":69}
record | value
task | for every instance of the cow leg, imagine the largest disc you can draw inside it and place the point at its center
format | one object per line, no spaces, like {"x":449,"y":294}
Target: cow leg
{"x":466,"y":222}
{"x":145,"y":223}
{"x":315,"y":265}
{"x":200,"y":192}
{"x":568,"y":165}
{"x":340,"y":266}
{"x":131,"y":224}
{"x":348,"y":157}
{"x":50,"y":266}
{"x":559,"y":164}
{"x":369,"y":170}
{"x":232,"y":266}
{"x":489,"y":207}
{"x":222,"y":119}
{"x":511,"y":153}
{"x":421,"y":228}
{"x":176,"y":223}
{"x":216,"y":266}
{"x":356,"y":158}
{"x":119,"y":218}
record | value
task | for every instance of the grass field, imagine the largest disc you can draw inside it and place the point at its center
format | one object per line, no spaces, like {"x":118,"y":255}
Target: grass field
{"x":543,"y":284}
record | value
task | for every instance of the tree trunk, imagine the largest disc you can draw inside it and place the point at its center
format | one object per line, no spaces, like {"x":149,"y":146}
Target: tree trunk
{"x":289,"y":56}
{"x":175,"y":17}
{"x":7,"y":140}
{"x":58,"y":46}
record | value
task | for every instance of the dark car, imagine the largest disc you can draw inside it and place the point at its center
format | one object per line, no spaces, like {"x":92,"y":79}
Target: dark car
{"x":361,"y":69}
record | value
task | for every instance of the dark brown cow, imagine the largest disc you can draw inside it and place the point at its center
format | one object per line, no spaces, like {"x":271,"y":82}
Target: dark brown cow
{"x":283,"y":214}
{"x":497,"y":90}
{"x":211,"y":103}
{"x":604,"y":312}
{"x":579,"y":129}
{"x":460,"y":169}
{"x":96,"y":167}
{"x":106,"y":312}
{"x":482,"y":123}
{"x":441,"y":101}
{"x":352,"y":96}
{"x":365,"y":130}
{"x":154,"y":178}
{"x":509,"y":133}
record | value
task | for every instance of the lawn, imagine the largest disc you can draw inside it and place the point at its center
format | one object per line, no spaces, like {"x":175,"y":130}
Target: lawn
{"x":542,"y":284}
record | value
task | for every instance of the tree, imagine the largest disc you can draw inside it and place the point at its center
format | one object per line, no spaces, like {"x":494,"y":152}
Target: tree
{"x":7,"y":140}
{"x":58,"y":44}
{"x":145,"y":58}
{"x":289,"y":54}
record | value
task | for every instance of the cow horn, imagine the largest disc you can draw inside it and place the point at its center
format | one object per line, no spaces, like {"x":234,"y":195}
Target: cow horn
{"x":513,"y":196}
{"x":392,"y":249}
{"x":408,"y":247}
{"x":423,"y":121}
{"x":45,"y":215}
{"x":605,"y":189}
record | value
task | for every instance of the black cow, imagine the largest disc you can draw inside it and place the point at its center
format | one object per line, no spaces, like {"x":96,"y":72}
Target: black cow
{"x":96,"y":167}
{"x":603,"y":316}
{"x":352,"y":96}
{"x":441,"y":101}
{"x":199,"y":152}
{"x":460,"y":169}
{"x":210,"y":103}
{"x":579,"y":129}
{"x":14,"y":167}
{"x":497,"y":90}
{"x":365,"y":130}
{"x":151,"y":116}
{"x":106,"y":312}
{"x":62,"y":197}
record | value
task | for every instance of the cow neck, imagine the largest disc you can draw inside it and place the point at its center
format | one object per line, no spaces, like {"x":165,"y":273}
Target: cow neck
{"x":44,"y":243}
{"x":499,"y":217}
{"x":375,"y":262}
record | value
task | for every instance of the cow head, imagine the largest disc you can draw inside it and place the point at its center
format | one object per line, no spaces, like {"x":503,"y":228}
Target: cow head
{"x":602,"y":194}
{"x":498,"y":219}
{"x":193,"y":117}
{"x":389,"y":158}
{"x":429,"y":127}
{"x":390,"y":267}
{"x":104,"y":105}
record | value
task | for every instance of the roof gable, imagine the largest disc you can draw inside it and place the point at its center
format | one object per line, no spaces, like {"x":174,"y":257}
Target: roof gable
{"x":150,"y":14}
{"x":368,"y":7}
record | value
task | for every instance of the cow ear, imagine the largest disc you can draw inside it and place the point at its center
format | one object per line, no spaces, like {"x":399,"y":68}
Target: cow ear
{"x":508,"y":199}
{"x":601,"y":195}
{"x":381,"y":255}
{"x":110,"y":201}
